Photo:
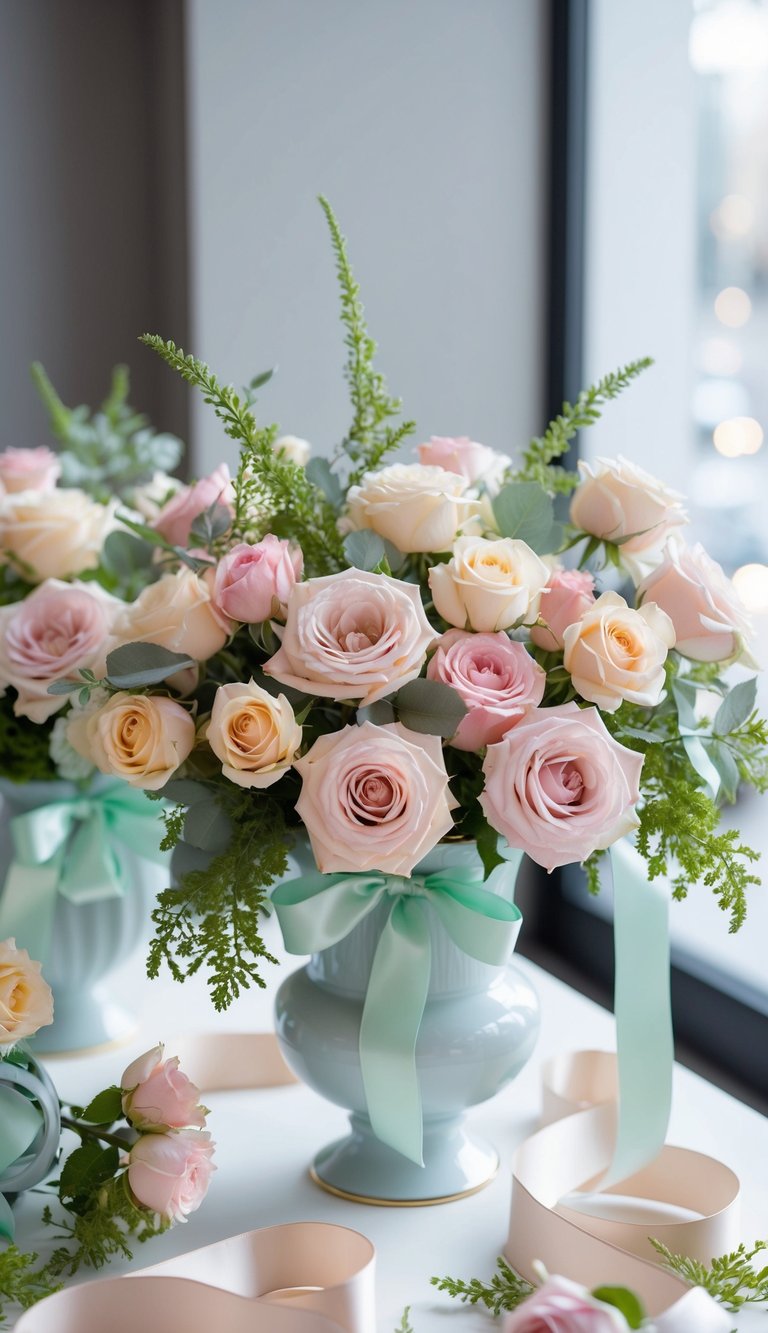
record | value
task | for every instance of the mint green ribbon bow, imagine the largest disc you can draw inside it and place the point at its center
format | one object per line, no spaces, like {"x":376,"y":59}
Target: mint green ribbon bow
{"x":316,"y":911}
{"x":66,"y":847}
{"x":20,"y":1123}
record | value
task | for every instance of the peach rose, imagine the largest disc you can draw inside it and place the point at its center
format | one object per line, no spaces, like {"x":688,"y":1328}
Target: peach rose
{"x":26,"y":1001}
{"x":374,"y":798}
{"x":58,"y":629}
{"x":352,"y":635}
{"x":141,"y":738}
{"x":476,"y":462}
{"x":497,"y":679}
{"x":28,"y":469}
{"x":177,"y":517}
{"x":618,"y":501}
{"x":615,"y":653}
{"x":710,"y":621}
{"x":294,"y":449}
{"x":416,"y":508}
{"x":251,"y":582}
{"x":253,"y":734}
{"x":489,"y":585}
{"x":177,"y":612}
{"x":559,"y":786}
{"x":562,"y":1306}
{"x":53,"y":534}
{"x":567,"y":597}
{"x":157,"y":1096}
{"x":170,"y":1173}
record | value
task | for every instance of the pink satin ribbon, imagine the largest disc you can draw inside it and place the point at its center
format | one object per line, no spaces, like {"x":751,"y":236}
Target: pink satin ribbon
{"x":559,"y":1216}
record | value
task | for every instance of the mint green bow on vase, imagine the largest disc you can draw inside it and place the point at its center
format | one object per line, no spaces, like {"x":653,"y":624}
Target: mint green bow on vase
{"x":316,"y":911}
{"x":67,"y":848}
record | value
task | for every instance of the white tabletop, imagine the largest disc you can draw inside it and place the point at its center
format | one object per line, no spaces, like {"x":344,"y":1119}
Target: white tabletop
{"x":266,"y":1140}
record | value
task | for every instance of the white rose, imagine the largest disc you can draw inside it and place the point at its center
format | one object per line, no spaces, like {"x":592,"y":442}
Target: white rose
{"x":294,"y":449}
{"x":615,"y":653}
{"x":253,"y":734}
{"x":710,"y":620}
{"x":489,"y":585}
{"x":618,"y":501}
{"x":149,"y":498}
{"x":416,"y":508}
{"x":53,"y":534}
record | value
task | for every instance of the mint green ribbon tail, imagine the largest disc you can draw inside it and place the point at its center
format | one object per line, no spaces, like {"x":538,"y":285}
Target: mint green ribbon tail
{"x":316,"y":911}
{"x":20,"y":1123}
{"x":68,"y":848}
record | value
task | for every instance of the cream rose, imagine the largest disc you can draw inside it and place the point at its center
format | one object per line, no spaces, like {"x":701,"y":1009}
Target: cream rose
{"x":416,"y":508}
{"x":253,"y":734}
{"x":294,"y":449}
{"x":615,"y":653}
{"x":53,"y":534}
{"x":618,"y":501}
{"x":26,"y":1002}
{"x":489,"y":585}
{"x":141,"y":738}
{"x":711,"y":624}
{"x":374,"y":798}
{"x":352,"y":635}
{"x":177,"y":612}
{"x":28,"y":469}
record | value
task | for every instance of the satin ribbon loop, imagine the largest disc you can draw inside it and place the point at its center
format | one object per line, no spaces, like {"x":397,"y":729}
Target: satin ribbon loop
{"x":20,"y":1123}
{"x":316,"y":911}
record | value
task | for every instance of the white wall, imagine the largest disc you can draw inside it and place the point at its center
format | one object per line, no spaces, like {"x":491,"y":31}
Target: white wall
{"x":422,"y":120}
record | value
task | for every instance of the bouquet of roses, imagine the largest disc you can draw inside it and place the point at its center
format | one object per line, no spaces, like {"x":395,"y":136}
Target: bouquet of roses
{"x":378,"y":656}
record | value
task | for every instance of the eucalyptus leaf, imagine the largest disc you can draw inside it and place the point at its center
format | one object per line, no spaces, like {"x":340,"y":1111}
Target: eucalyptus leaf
{"x":380,"y":713}
{"x":430,"y":706}
{"x":207,"y":827}
{"x":737,"y":706}
{"x":684,"y":694}
{"x":211,"y":524}
{"x":364,"y":549}
{"x":185,"y":791}
{"x":727,"y":768}
{"x":124,"y":554}
{"x":64,"y":686}
{"x":321,"y":475}
{"x":524,"y":510}
{"x":135,"y":665}
{"x":700,"y":760}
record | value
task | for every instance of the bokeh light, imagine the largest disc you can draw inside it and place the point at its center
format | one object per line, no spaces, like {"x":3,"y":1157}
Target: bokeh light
{"x":738,"y":436}
{"x":733,"y":307}
{"x":751,"y":583}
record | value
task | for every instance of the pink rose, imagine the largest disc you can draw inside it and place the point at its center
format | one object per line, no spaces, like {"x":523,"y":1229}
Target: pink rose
{"x":175,"y":520}
{"x":156,"y":1095}
{"x":559,"y":786}
{"x":567,"y":597}
{"x":497,"y":679}
{"x":561,"y":1306}
{"x":251,"y":579}
{"x":710,"y":621}
{"x":29,"y":469}
{"x":619,"y":501}
{"x":170,"y":1173}
{"x":469,"y":459}
{"x":58,"y":629}
{"x":374,"y":798}
{"x":352,"y":635}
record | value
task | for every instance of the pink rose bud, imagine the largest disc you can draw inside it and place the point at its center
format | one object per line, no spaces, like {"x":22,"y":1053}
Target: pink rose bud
{"x":175,"y":520}
{"x":29,"y":469}
{"x":170,"y":1173}
{"x":156,"y":1095}
{"x":568,"y":595}
{"x":476,"y":462}
{"x":561,"y":1306}
{"x":497,"y":679}
{"x":251,"y":579}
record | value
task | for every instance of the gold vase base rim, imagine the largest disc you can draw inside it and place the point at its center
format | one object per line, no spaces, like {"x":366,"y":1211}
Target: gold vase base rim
{"x":401,"y":1203}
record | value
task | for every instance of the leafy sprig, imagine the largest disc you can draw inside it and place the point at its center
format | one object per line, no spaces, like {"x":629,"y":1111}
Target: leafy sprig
{"x":101,"y":1231}
{"x":733,"y":1279}
{"x":21,"y":1283}
{"x":405,"y":1325}
{"x":505,"y":1291}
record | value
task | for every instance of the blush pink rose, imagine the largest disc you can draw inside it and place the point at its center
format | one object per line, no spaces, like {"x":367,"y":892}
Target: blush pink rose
{"x":253,"y":583}
{"x":619,"y":501}
{"x":58,"y":629}
{"x":170,"y":1173}
{"x":497,"y":679}
{"x":561,"y":1306}
{"x":29,"y":469}
{"x":374,"y":798}
{"x":352,"y":635}
{"x":711,"y":624}
{"x":567,"y":597}
{"x":175,"y":520}
{"x":559,"y":786}
{"x":476,"y":462}
{"x":157,"y":1096}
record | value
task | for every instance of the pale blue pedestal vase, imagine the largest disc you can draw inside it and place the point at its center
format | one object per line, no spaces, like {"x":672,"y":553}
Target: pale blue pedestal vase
{"x":479,"y":1028}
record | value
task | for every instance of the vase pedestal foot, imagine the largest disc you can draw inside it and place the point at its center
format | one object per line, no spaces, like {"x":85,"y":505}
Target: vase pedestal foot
{"x":364,"y":1170}
{"x":85,"y":1020}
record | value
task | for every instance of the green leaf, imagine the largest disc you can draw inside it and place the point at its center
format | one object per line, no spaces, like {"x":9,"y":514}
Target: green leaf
{"x":736,"y":708}
{"x":622,"y":1299}
{"x":700,"y":760}
{"x":210,"y":525}
{"x":105,"y":1108}
{"x":259,"y":381}
{"x":207,"y":827}
{"x":364,"y":549}
{"x":124,"y":554}
{"x":184,"y":791}
{"x":726,"y":766}
{"x":684,"y":694}
{"x":137,"y":664}
{"x":88,"y":1167}
{"x":320,"y":474}
{"x":380,"y":713}
{"x":64,"y":686}
{"x":525,"y":511}
{"x":488,"y":846}
{"x":430,"y":706}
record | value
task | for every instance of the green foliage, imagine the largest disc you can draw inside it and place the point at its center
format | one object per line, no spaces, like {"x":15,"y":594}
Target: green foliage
{"x":430,"y":706}
{"x":524,"y":510}
{"x":538,"y":457}
{"x":624,"y":1300}
{"x":211,"y":918}
{"x":101,"y":1231}
{"x":173,"y":816}
{"x":134,"y":666}
{"x":24,"y":746}
{"x":505,"y":1291}
{"x":21,"y":1284}
{"x":732,"y":1279}
{"x":112,"y":451}
{"x":369,"y":438}
{"x":104,"y":1108}
{"x":405,"y":1325}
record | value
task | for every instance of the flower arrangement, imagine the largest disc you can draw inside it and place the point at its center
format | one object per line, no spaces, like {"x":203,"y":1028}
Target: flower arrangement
{"x":380,"y":654}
